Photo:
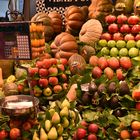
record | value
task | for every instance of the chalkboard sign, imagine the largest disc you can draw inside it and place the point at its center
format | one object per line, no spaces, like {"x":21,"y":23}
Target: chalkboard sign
{"x":15,"y":40}
{"x":58,"y":5}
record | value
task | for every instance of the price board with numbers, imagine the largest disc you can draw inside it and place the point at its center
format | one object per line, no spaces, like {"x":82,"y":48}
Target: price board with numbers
{"x":15,"y":40}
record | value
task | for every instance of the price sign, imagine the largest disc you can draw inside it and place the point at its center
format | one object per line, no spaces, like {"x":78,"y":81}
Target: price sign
{"x":15,"y":40}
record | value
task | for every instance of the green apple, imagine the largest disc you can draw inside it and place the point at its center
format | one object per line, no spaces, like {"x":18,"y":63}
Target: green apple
{"x":123,"y":52}
{"x":47,"y":91}
{"x":133,"y":52}
{"x":114,"y":51}
{"x":138,"y":44}
{"x":104,"y":51}
{"x":120,"y":44}
{"x":111,"y":43}
{"x":102,"y":42}
{"x":130,"y":44}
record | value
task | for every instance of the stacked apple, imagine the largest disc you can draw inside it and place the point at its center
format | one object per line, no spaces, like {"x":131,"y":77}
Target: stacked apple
{"x":57,"y":121}
{"x":120,"y":30}
{"x":47,"y":76}
{"x":110,"y":66}
{"x":87,"y":131}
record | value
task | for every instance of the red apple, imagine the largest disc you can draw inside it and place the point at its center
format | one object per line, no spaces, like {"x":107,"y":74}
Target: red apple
{"x":137,"y":106}
{"x":109,"y":73}
{"x":129,"y":37}
{"x":32,"y":71}
{"x":113,"y":63}
{"x":117,"y":36}
{"x":43,"y":72}
{"x":96,"y":72}
{"x":15,"y":133}
{"x":125,"y":28}
{"x":3,"y":134}
{"x":119,"y":74}
{"x":63,"y":77}
{"x":63,"y":61}
{"x":102,"y":62}
{"x":137,"y":37}
{"x":33,"y":83}
{"x":132,"y":20}
{"x":110,"y":19}
{"x":121,"y":19}
{"x":92,"y":137}
{"x":53,"y":61}
{"x":46,"y":63}
{"x":26,"y":126}
{"x":53,"y":81}
{"x":83,"y":123}
{"x":135,"y":133}
{"x":20,"y":88}
{"x":135,"y":29}
{"x":113,"y":28}
{"x":93,"y":61}
{"x":57,"y":88}
{"x":125,"y":62}
{"x":81,"y":133}
{"x":107,"y":36}
{"x":93,"y":128}
{"x":53,"y":71}
{"x":39,"y":64}
{"x":136,"y":94}
{"x":61,"y":67}
{"x":43,"y":82}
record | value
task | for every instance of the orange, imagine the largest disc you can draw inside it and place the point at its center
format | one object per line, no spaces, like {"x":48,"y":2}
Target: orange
{"x":124,"y":134}
{"x":135,"y":125}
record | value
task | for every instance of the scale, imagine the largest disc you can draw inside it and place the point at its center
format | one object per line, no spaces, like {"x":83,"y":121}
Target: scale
{"x":15,"y":45}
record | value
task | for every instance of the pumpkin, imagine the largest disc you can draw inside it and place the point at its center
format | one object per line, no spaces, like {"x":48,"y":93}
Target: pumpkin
{"x":91,"y":31}
{"x":124,"y":6}
{"x":100,"y":8}
{"x":75,"y":18}
{"x":137,"y":7}
{"x":56,"y":21}
{"x":64,"y":45}
{"x":77,"y":64}
{"x":47,"y":22}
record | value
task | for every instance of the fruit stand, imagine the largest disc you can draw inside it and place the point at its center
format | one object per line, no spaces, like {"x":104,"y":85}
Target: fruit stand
{"x":83,"y":78}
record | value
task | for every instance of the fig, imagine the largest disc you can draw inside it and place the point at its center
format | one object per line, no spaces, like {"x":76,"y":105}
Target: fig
{"x":103,"y":101}
{"x":124,"y":88}
{"x":112,"y":87}
{"x":95,"y":98}
{"x":120,"y":112}
{"x":114,"y":102}
{"x":102,"y":88}
{"x":85,"y":98}
{"x":92,"y":87}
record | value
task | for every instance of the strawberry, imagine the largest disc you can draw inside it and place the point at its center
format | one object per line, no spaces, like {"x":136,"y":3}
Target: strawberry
{"x":113,"y":63}
{"x":125,"y":62}
{"x":109,"y":73}
{"x":102,"y":63}
{"x":96,"y":72}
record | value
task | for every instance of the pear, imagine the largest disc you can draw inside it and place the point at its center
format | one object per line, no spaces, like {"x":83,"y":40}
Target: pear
{"x":60,"y":129}
{"x":65,"y":103}
{"x":55,"y":118}
{"x":47,"y":125}
{"x":43,"y":135}
{"x":60,"y":138}
{"x":65,"y":122}
{"x":72,"y":114}
{"x":72,"y":123}
{"x":52,"y":134}
{"x":52,"y":111}
{"x":64,"y":112}
{"x":35,"y":136}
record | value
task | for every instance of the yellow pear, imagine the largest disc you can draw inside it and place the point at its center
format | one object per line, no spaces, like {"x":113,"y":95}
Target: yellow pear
{"x":72,"y":123}
{"x":64,"y":112}
{"x":65,"y":122}
{"x":47,"y":125}
{"x":72,"y":114}
{"x":55,"y":118}
{"x":35,"y":136}
{"x":52,"y":111}
{"x":60,"y":129}
{"x":52,"y":134}
{"x":60,"y":138}
{"x":65,"y":103}
{"x":43,"y":135}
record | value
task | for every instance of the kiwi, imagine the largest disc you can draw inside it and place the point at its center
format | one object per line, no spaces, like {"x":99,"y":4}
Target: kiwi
{"x":124,"y":88}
